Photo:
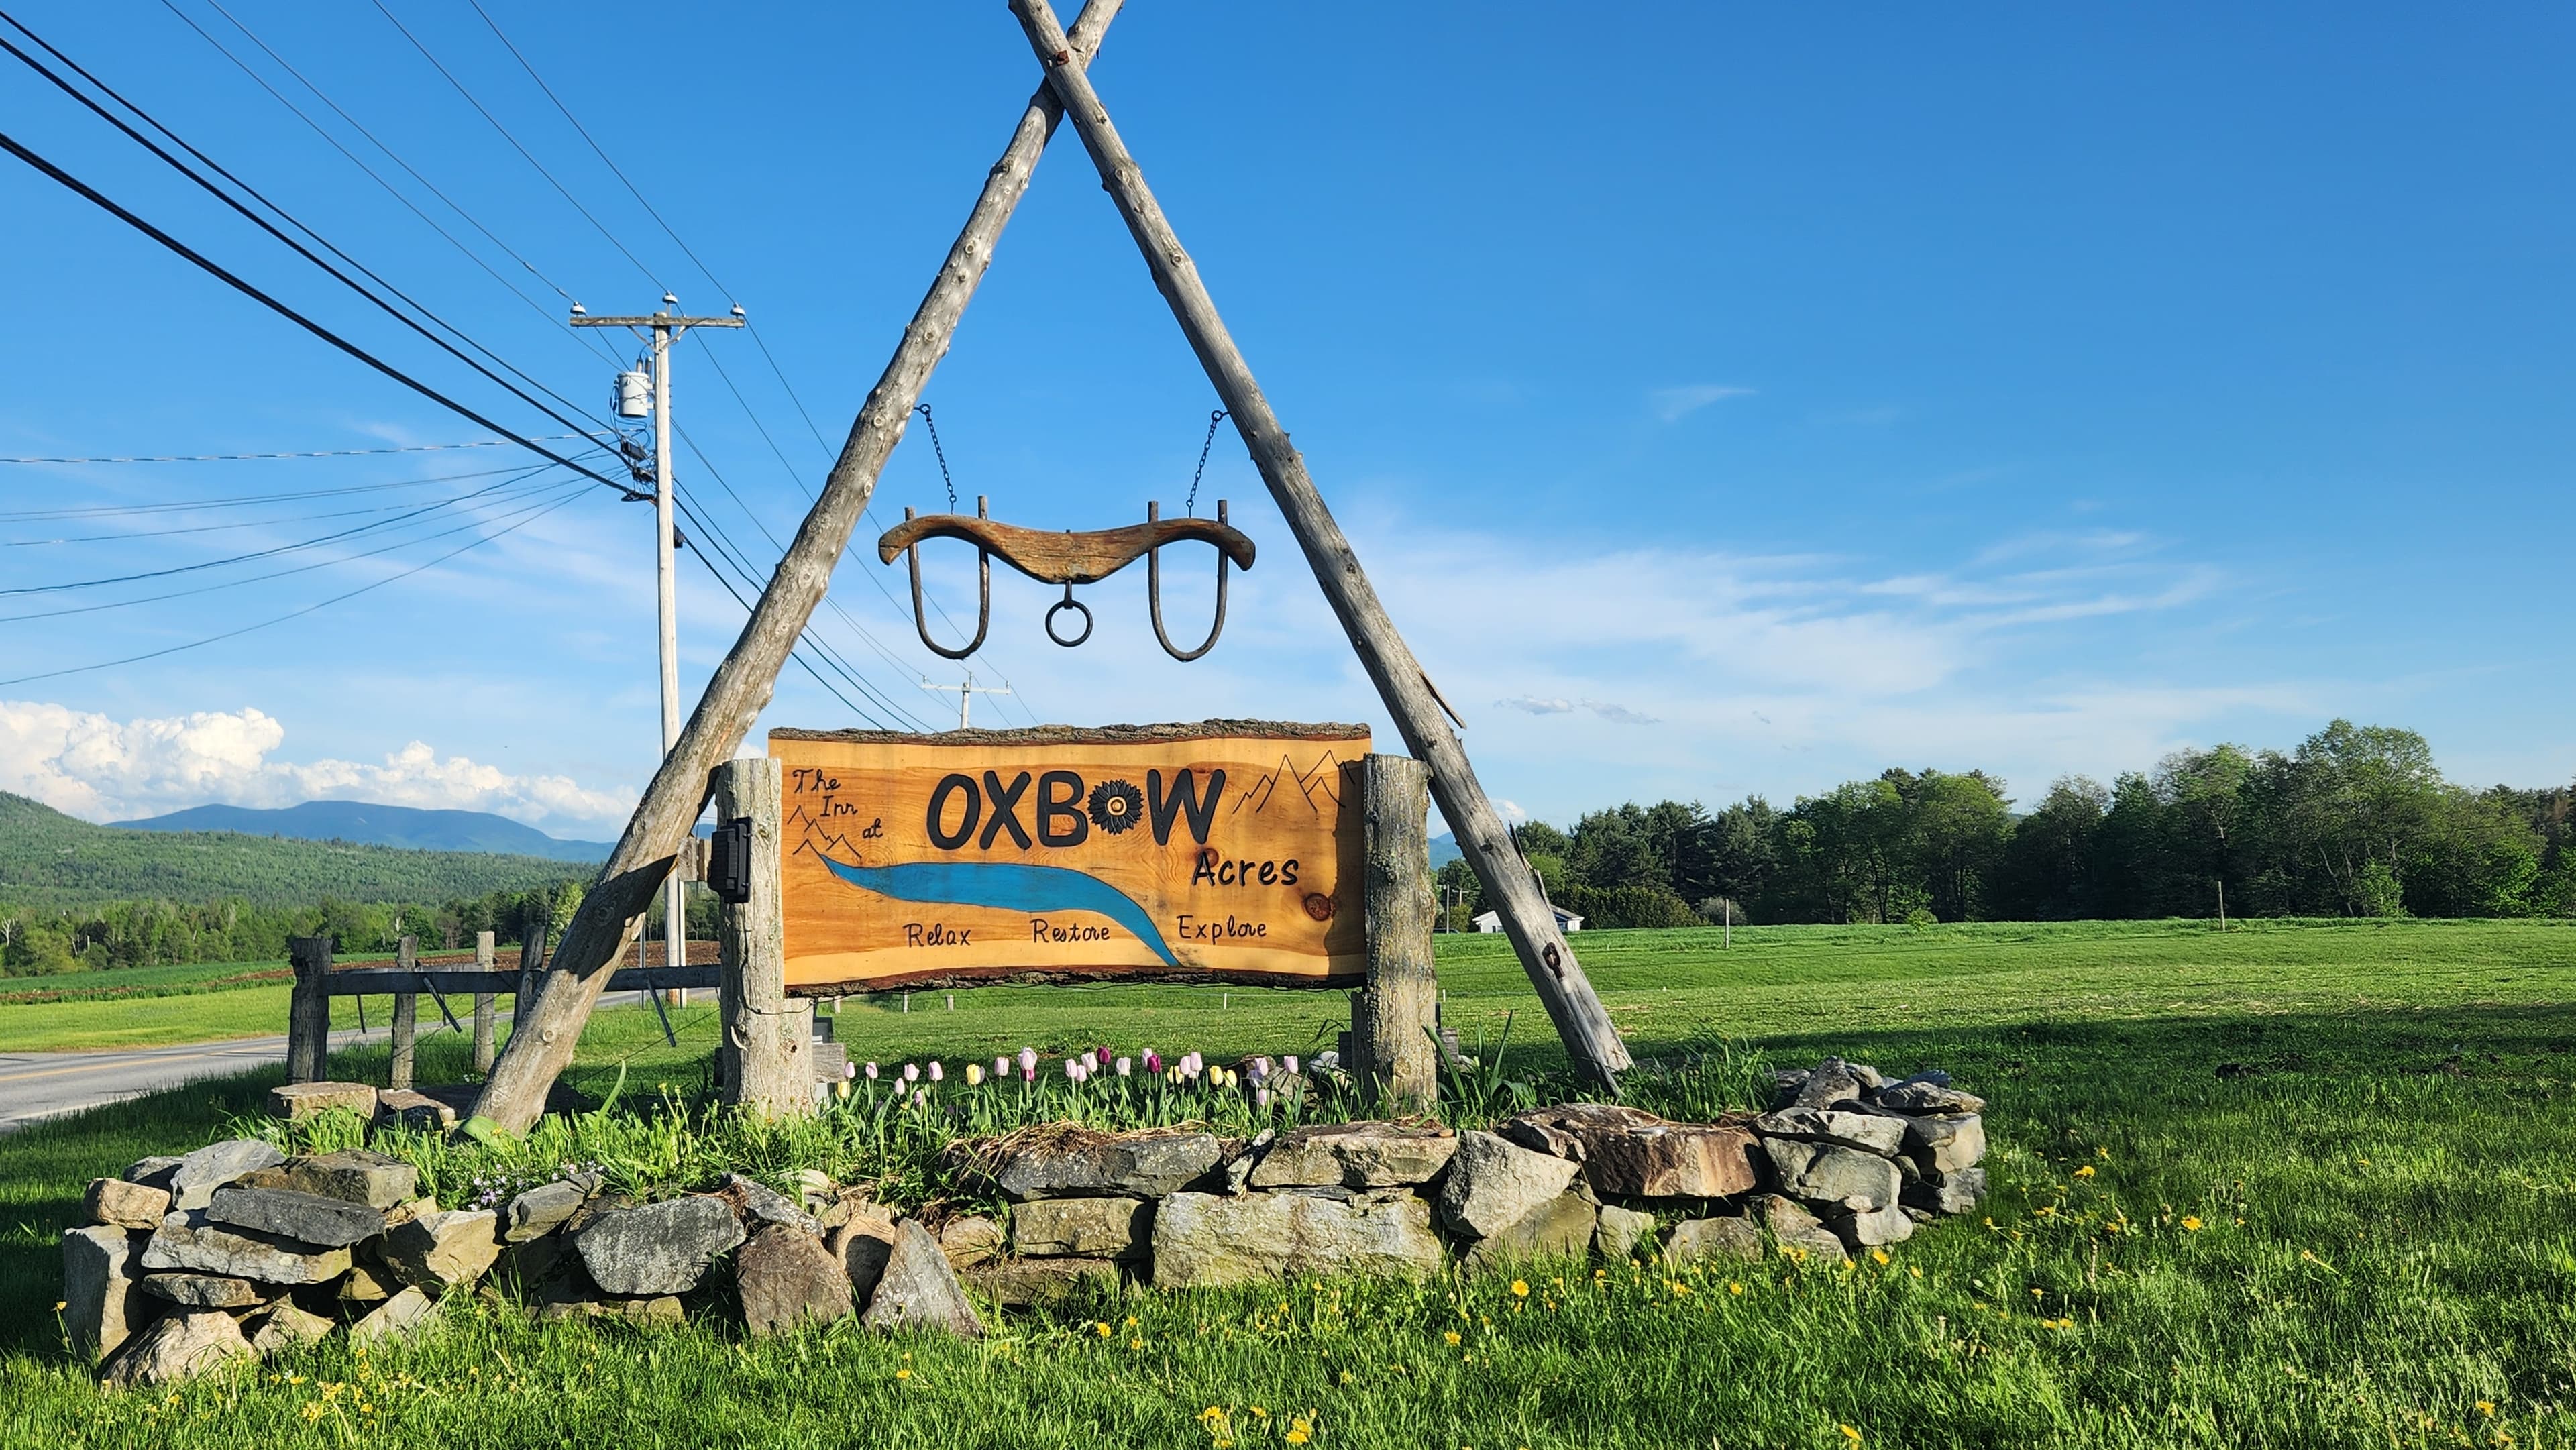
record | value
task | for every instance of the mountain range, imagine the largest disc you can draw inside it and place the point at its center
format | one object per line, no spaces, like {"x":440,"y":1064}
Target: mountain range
{"x":403,"y":827}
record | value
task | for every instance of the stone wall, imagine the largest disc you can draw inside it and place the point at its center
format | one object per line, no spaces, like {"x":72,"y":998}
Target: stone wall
{"x":236,"y":1251}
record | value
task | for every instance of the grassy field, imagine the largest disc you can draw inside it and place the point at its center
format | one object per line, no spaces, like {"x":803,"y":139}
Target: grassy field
{"x":159,"y":1006}
{"x":2362,"y":1232}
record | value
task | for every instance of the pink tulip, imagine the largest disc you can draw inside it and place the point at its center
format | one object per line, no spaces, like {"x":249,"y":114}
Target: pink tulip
{"x":1028,"y":1058}
{"x":1289,"y":1062}
{"x":871,"y":1068}
{"x":937,"y":1074}
{"x":1126,"y":1066}
{"x":1153,"y":1061}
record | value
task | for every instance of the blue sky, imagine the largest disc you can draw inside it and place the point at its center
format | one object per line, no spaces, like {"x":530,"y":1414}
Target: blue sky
{"x":1724,"y":400}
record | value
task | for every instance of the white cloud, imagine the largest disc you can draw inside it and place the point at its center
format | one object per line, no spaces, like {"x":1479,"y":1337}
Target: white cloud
{"x":103,"y":769}
{"x":1536,"y":706}
{"x":1674,"y":404}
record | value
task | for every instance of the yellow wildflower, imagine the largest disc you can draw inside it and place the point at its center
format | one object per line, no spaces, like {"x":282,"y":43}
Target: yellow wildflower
{"x":1879,"y":1254}
{"x":1520,"y":1288}
{"x":2191,"y":1223}
{"x":2084,"y":1172}
{"x":1300,"y":1430}
{"x":1452,"y":1337}
{"x":1849,"y":1433}
{"x":1733,"y":1287}
{"x":1102,"y":1326}
{"x":903,"y":1374}
{"x":2487,"y":1408}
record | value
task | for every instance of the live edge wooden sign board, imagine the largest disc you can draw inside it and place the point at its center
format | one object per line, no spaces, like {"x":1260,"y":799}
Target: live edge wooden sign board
{"x":1219,"y":850}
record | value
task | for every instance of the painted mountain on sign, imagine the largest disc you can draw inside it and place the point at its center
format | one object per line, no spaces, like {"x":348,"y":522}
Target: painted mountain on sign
{"x":406,"y":827}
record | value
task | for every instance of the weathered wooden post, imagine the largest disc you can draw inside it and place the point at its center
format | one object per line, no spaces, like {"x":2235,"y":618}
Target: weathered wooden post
{"x":532,"y":960}
{"x":308,"y":1008}
{"x":1411,"y":702}
{"x":765,"y":1053}
{"x":1396,"y":1013}
{"x":486,"y":959}
{"x":548,"y":1025}
{"x":406,"y":1014}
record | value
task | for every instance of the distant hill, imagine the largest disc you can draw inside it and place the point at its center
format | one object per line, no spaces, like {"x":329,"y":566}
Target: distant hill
{"x":1444,"y":849}
{"x":50,"y":860}
{"x":369,"y":825}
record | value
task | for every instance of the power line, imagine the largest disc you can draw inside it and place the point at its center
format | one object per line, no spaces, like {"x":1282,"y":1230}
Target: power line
{"x":188,"y":529}
{"x":215,"y":270}
{"x":245,"y":500}
{"x":315,"y":453}
{"x":264,"y":225}
{"x":281,"y":573}
{"x":523,"y":151}
{"x":294,"y":614}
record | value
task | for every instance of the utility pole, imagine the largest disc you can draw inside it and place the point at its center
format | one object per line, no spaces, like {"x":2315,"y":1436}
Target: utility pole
{"x":966,"y":693}
{"x":665,"y":328}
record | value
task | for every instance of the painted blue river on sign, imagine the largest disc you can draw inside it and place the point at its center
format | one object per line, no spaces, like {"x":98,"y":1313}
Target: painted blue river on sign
{"x":1006,"y":886}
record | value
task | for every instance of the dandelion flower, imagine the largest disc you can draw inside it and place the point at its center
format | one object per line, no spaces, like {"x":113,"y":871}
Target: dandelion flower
{"x":903,"y":1374}
{"x":1879,"y":1254}
{"x":1102,"y":1327}
{"x":2191,"y":1223}
{"x":2084,"y":1172}
{"x":1520,"y":1288}
{"x":2487,"y":1408}
{"x":1849,"y":1433}
{"x":1452,"y":1338}
{"x":1733,"y":1287}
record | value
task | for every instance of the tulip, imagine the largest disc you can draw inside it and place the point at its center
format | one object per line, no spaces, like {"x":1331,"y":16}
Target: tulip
{"x":1072,"y":1069}
{"x":848,"y":1072}
{"x":921,"y":1097}
{"x":974,"y":1074}
{"x":871,"y":1070}
{"x":1260,"y":1068}
{"x":1261,"y":1098}
{"x":1153,"y":1061}
{"x":1100,"y":1056}
{"x":1028,"y":1059}
{"x":1029,"y":1073}
{"x":1126,"y":1066}
{"x":1289,"y":1062}
{"x":841,"y":1090}
{"x":1001,"y":1068}
{"x":911,"y":1073}
{"x":937,"y":1073}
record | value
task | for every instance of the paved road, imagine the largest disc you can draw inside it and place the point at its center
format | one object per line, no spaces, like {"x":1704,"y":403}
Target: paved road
{"x":39,"y":1085}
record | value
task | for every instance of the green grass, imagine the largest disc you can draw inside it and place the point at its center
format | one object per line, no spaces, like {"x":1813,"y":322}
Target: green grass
{"x":161,"y":1006}
{"x":2385,"y":1187}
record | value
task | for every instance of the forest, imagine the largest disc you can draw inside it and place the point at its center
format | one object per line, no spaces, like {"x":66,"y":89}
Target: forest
{"x":2357,"y":821}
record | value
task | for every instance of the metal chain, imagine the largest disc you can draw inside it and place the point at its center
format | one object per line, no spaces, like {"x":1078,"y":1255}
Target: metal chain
{"x":1191,"y":508}
{"x":939,"y":453}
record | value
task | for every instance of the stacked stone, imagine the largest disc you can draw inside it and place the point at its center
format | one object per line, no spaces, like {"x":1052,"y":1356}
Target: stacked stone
{"x":237,"y":1251}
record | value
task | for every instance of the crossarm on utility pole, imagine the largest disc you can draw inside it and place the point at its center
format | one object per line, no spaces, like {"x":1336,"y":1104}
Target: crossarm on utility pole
{"x":1580,"y":1019}
{"x":542,"y":1036}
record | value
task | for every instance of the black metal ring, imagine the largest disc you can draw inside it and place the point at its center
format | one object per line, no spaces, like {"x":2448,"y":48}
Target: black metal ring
{"x":1068,"y":602}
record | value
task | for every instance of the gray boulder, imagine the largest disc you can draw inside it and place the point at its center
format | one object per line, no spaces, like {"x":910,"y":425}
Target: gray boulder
{"x":1355,"y":1155}
{"x":1954,"y":1193}
{"x":1869,"y":1132}
{"x":1096,"y":1228}
{"x":101,"y":1301}
{"x":125,"y":1205}
{"x":1929,"y":1099}
{"x":178,"y":1347}
{"x":1619,"y":1230}
{"x":1945,"y":1145}
{"x":399,"y":1317}
{"x":307,"y":1218}
{"x":540,"y":1210}
{"x":1204,"y":1241}
{"x":1493,"y":1184}
{"x":207,"y":1291}
{"x":920,"y":1291}
{"x":1793,"y":1228}
{"x":1829,"y":1082}
{"x":152,"y":1172}
{"x":657,"y":1248}
{"x":418,"y":1111}
{"x":439,"y":1250}
{"x":195,"y":1177}
{"x":285,"y":1326}
{"x":368,"y":1283}
{"x":1888,"y":1225}
{"x":1560,"y":1228}
{"x":355,"y":1175}
{"x":787,"y":1279}
{"x":971,"y":1241}
{"x":1127,"y":1165}
{"x":757,"y":1203}
{"x":188,"y":1241}
{"x":1698,"y":1239}
{"x":1821,"y":1173}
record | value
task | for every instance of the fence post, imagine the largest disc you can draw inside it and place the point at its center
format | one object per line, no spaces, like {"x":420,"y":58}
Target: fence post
{"x":765,"y":1055}
{"x":406,"y":1014}
{"x":1397,"y":1011}
{"x":486,"y":959}
{"x":308,"y":1008}
{"x":532,"y":959}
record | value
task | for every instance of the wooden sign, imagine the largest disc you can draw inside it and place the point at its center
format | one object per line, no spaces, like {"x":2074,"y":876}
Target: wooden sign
{"x":1219,"y":850}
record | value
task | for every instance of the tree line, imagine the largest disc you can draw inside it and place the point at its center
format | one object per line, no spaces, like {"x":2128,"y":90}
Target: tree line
{"x":35,"y":942}
{"x":2357,"y":821}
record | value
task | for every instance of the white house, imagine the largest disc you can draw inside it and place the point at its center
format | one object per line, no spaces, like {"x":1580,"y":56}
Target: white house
{"x":1565,"y":920}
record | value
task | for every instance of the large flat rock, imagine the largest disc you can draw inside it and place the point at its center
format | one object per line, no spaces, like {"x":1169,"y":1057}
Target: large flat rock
{"x":1627,"y":1153}
{"x":1560,"y":1228}
{"x":1205,"y":1241}
{"x":657,"y":1248}
{"x":125,"y":1205}
{"x":188,"y":1241}
{"x":1124,"y":1165}
{"x":441,"y":1249}
{"x":195,"y":1177}
{"x":297,"y":1100}
{"x":355,"y":1175}
{"x":178,"y":1347}
{"x":307,"y":1218}
{"x":1027,"y":1283}
{"x":1100,"y":1228}
{"x":1355,"y":1155}
{"x":1842,"y":1178}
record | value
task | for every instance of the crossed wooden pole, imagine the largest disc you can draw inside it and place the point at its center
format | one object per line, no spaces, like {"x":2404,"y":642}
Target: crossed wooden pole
{"x":541,"y":1043}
